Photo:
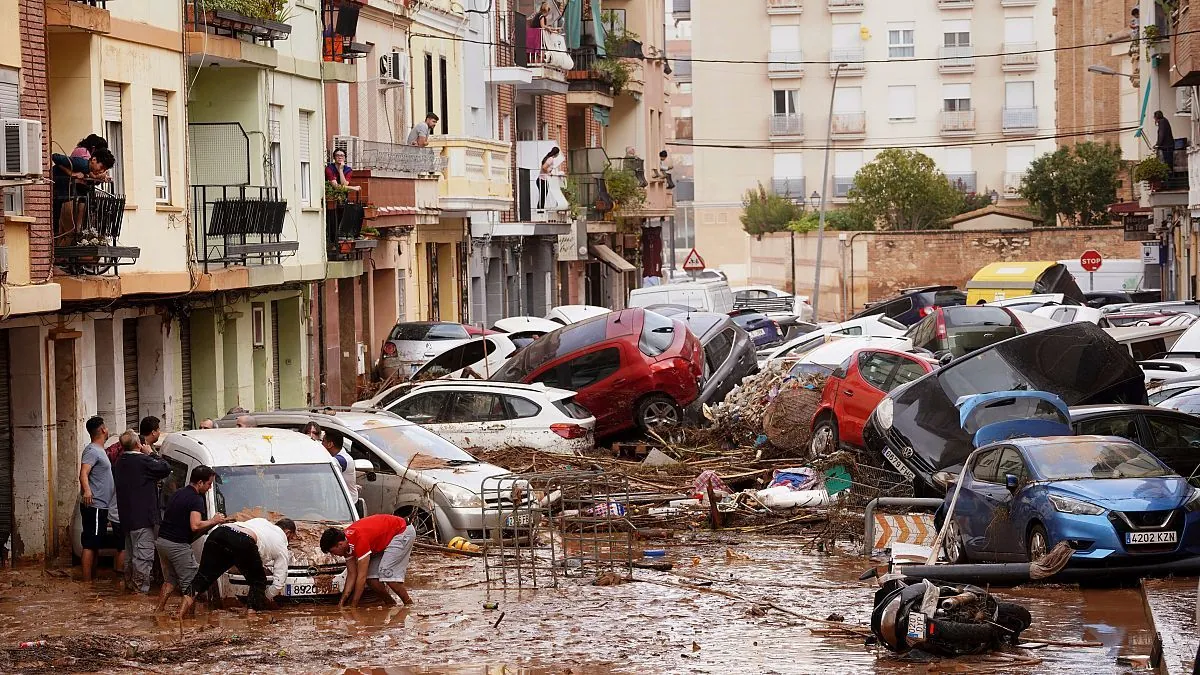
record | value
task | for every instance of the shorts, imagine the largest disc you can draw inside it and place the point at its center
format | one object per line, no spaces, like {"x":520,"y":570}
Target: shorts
{"x":95,"y":528}
{"x":392,"y":564}
{"x":178,"y":563}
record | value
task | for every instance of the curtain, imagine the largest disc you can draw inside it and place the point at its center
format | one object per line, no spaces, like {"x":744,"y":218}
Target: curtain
{"x":573,"y":20}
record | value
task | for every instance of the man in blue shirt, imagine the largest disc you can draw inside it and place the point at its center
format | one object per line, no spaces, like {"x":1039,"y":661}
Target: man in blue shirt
{"x":96,"y":494}
{"x":185,"y":519}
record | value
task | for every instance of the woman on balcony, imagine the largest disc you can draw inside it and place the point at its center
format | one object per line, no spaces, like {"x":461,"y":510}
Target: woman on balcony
{"x":338,"y":173}
{"x":549,"y":193}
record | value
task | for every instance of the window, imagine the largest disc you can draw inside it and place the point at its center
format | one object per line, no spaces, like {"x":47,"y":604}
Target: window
{"x":113,"y":133}
{"x":471,"y":406}
{"x":162,"y":148}
{"x":444,"y":93}
{"x":1169,"y":433}
{"x":906,"y":372}
{"x":956,"y":33}
{"x":902,"y":103}
{"x":1018,"y":94}
{"x":897,"y":308}
{"x":305,"y":151}
{"x":846,"y":163}
{"x":423,"y":408}
{"x":847,"y":100}
{"x":523,"y":407}
{"x":717,"y":350}
{"x":985,"y":466}
{"x":1018,"y":30}
{"x":785,"y":38}
{"x":957,"y":160}
{"x":177,"y":479}
{"x":956,"y":97}
{"x":1018,"y":157}
{"x":360,"y":451}
{"x":787,"y":165}
{"x":428,"y":86}
{"x":614,"y":21}
{"x":685,"y":87}
{"x":275,"y":174}
{"x":1010,"y":464}
{"x":785,"y":101}
{"x":847,"y":36}
{"x":592,"y":368}
{"x":1123,"y":426}
{"x":901,"y":43}
{"x":875,"y":369}
{"x":10,"y":106}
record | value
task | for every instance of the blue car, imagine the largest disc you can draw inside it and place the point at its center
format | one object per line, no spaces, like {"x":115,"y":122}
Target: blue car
{"x":763,"y":330}
{"x":1112,"y":501}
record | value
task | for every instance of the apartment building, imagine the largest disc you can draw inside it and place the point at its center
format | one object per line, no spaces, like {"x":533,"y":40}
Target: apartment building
{"x":679,"y":50}
{"x":962,"y":80}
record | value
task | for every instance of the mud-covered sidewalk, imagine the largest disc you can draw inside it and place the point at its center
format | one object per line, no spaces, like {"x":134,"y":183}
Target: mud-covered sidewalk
{"x":710,"y":614}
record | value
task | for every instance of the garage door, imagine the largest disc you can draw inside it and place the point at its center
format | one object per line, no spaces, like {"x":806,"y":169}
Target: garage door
{"x":129,"y":351}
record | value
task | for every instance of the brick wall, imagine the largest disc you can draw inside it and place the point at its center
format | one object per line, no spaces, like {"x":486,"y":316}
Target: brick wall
{"x":900,"y":259}
{"x":1185,"y":51}
{"x":1085,"y":100}
{"x":35,"y":104}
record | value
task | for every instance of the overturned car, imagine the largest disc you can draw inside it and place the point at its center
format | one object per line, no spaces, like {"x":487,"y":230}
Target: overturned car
{"x":917,"y":428}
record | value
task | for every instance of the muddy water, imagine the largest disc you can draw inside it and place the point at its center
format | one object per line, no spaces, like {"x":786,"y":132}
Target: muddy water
{"x":666,"y":623}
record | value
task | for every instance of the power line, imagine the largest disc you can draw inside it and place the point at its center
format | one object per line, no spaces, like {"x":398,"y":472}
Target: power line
{"x":914,"y":146}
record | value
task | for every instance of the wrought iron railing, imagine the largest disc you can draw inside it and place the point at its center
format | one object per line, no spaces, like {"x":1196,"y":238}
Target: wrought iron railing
{"x":787,"y":124}
{"x":789,"y":187}
{"x":339,"y":19}
{"x":87,"y":226}
{"x":239,"y":225}
{"x":1019,"y":55}
{"x":382,"y":156}
{"x":842,"y":185}
{"x":201,"y":19}
{"x":1016,"y":119}
{"x":958,"y":121}
{"x":962,"y":181}
{"x":343,"y":228}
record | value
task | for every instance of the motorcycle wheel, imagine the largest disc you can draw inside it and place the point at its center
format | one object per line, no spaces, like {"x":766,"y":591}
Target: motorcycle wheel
{"x":1015,"y":618}
{"x":958,"y":639}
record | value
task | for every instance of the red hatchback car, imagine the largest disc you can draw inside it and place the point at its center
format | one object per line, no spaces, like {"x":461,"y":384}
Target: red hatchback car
{"x":632,"y":367}
{"x":855,"y":388}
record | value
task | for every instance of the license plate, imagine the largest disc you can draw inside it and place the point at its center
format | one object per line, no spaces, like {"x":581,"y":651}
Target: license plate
{"x":891,"y":457}
{"x":1151,"y":537}
{"x":916,"y":626}
{"x":300,"y":590}
{"x":758,"y":332}
{"x":521,"y":520}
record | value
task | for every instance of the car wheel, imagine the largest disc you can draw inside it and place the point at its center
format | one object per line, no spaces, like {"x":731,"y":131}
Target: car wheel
{"x":956,"y":551}
{"x":824,"y":437}
{"x":421,"y":519}
{"x":1038,"y":544}
{"x":657,"y":411}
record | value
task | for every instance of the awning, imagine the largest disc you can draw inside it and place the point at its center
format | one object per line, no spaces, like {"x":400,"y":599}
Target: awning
{"x":519,"y":229}
{"x":610,"y":258}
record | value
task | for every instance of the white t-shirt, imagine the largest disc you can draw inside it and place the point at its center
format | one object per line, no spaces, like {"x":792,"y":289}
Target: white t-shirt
{"x":272,"y":548}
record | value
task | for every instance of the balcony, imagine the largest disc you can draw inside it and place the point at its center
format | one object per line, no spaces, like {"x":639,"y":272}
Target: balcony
{"x":1018,"y":3}
{"x":476,"y":175}
{"x":785,"y":64}
{"x":962,"y":181}
{"x":683,"y":128}
{"x":586,"y":166}
{"x":1012,"y":184}
{"x":958,"y":122}
{"x":239,"y":225}
{"x":390,"y":157}
{"x":339,"y":51}
{"x":784,"y":6}
{"x":854,"y":59}
{"x":836,"y":6}
{"x":841,"y":186}
{"x":531,"y":208}
{"x":681,"y":70}
{"x":1015,"y":121}
{"x":587,"y":85}
{"x":222,"y":37}
{"x":344,"y":235}
{"x":685,"y":190}
{"x":87,"y":227}
{"x":77,"y":16}
{"x":681,"y":10}
{"x":849,"y":124}
{"x":1019,"y":56}
{"x":955,"y":4}
{"x":540,"y":60}
{"x":787,"y":125}
{"x":957,"y":60}
{"x":789,"y":187}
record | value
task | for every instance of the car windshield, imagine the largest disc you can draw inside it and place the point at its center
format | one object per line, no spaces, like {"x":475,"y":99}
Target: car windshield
{"x":404,"y":442}
{"x":1099,"y":459}
{"x":428,"y":331}
{"x":949,"y":298}
{"x":658,"y":332}
{"x":309,"y":492}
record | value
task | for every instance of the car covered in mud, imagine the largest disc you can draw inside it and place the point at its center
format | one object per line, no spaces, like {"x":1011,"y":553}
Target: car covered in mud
{"x":916,"y":427}
{"x":409,"y":471}
{"x":269,"y":473}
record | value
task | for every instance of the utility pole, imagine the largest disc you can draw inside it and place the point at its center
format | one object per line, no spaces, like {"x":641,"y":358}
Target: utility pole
{"x":816,"y":294}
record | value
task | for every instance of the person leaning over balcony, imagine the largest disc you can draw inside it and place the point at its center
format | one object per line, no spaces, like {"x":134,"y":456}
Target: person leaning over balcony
{"x":1165,"y":145}
{"x":338,"y":172}
{"x":75,"y":177}
{"x":664,"y":168}
{"x":419,"y":136}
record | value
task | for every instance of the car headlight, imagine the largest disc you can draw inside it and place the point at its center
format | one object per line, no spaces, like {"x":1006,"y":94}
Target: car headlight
{"x":1193,"y":502}
{"x":883,"y":413}
{"x":1076,"y":507}
{"x":460,"y":497}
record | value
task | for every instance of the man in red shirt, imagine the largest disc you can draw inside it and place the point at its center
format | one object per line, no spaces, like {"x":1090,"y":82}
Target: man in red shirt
{"x":377,"y":550}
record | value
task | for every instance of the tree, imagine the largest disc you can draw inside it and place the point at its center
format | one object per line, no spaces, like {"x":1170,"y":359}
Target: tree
{"x":843,"y":220}
{"x":1077,"y":184}
{"x":903,"y":190}
{"x":973,"y":201}
{"x":764,"y":211}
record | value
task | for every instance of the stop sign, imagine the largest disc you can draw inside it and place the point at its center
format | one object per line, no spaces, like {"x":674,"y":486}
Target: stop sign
{"x":1090,"y":260}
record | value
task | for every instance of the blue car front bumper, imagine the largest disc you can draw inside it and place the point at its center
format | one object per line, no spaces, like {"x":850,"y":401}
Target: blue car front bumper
{"x":1104,"y":538}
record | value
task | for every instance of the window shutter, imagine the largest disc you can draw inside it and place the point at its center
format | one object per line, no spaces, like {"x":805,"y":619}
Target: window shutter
{"x":159,"y":102}
{"x":10,"y":94}
{"x":305,"y":136}
{"x":112,"y":102}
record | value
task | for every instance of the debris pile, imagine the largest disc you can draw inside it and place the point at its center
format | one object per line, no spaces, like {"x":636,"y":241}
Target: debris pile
{"x":95,"y":652}
{"x":770,"y":402}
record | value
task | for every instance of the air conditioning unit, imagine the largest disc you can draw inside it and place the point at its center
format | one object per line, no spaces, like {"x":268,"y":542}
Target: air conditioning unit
{"x":21,"y":152}
{"x":393,"y":68}
{"x":351,"y":145}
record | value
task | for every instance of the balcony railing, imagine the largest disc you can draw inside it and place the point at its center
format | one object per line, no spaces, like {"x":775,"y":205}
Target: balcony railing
{"x":784,"y":6}
{"x":1019,"y":56}
{"x":685,"y":190}
{"x":340,"y":20}
{"x":957,"y":59}
{"x":537,"y":47}
{"x":789,"y":187}
{"x":958,"y":121}
{"x":239,"y":225}
{"x":87,"y":227}
{"x":845,"y":5}
{"x":1016,"y":120}
{"x":380,"y":156}
{"x":234,"y":24}
{"x":587,"y":173}
{"x":962,"y":181}
{"x":1012,"y":183}
{"x":787,"y":124}
{"x":584,"y":75}
{"x":1018,"y":3}
{"x":955,"y":4}
{"x":849,"y":123}
{"x":853,"y":57}
{"x":841,"y":186}
{"x":343,"y":228}
{"x":785,"y":64}
{"x":636,"y":166}
{"x":475,"y":168}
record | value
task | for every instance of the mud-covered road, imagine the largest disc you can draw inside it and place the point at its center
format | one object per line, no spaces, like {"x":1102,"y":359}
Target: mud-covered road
{"x":668,"y":622}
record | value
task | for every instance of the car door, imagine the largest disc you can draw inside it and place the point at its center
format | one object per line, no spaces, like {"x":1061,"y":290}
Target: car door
{"x":1011,"y":507}
{"x":597,"y":382}
{"x":1176,"y":443}
{"x":1124,"y":425}
{"x":475,"y":419}
{"x":974,"y":511}
{"x":424,"y":408}
{"x":526,"y":426}
{"x":861,"y":391}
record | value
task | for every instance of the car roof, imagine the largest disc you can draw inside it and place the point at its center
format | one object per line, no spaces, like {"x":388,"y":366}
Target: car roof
{"x":1082,"y":412}
{"x":354,"y":420}
{"x":248,"y":447}
{"x":700,"y":323}
{"x":553,"y":393}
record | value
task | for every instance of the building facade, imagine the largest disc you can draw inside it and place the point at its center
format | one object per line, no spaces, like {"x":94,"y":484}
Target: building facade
{"x":969,"y":83}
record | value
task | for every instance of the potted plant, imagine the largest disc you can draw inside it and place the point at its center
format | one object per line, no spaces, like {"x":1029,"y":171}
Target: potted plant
{"x":336,"y":194}
{"x":1151,"y":170}
{"x":369,"y":233}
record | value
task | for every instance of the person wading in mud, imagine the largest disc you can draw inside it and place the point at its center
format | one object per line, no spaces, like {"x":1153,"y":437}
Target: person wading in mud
{"x":96,"y":494}
{"x":253,"y":546}
{"x":185,"y":519}
{"x":136,"y":477}
{"x":377,"y":550}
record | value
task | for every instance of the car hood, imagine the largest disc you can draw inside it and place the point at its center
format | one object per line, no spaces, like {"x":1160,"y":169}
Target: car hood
{"x":1127,"y":494}
{"x":468,"y":476}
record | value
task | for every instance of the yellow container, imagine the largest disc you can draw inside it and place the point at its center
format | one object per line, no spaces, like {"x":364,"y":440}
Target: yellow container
{"x":1004,"y":280}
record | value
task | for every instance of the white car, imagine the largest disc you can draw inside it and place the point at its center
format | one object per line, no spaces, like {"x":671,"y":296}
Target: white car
{"x":875,"y":325}
{"x":523,"y":330}
{"x":495,"y":415}
{"x":1031,"y":322}
{"x":1166,"y":370}
{"x":801,"y":309}
{"x":1028,"y":303}
{"x":568,"y":314}
{"x":1072,"y":314}
{"x":479,"y":359}
{"x":825,"y":358}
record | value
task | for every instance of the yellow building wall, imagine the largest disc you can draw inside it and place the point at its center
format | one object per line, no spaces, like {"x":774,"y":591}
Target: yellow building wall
{"x":10,"y":34}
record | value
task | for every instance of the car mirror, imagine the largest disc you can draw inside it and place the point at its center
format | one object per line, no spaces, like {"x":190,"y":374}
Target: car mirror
{"x":1011,"y":482}
{"x":838,"y":373}
{"x":371,"y":477}
{"x":363,"y":465}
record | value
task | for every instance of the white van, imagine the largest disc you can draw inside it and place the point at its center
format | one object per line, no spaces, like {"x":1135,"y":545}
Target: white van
{"x":1114,"y":275}
{"x":704,"y":296}
{"x":267,"y":473}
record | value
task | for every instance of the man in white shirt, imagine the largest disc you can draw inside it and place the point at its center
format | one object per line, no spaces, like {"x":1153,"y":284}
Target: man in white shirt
{"x":254,"y":546}
{"x":334,"y":444}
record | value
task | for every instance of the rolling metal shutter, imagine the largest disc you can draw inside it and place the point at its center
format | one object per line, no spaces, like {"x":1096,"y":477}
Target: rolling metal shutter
{"x":112,"y":102}
{"x":6,"y":447}
{"x":275,"y":353}
{"x":129,"y":352}
{"x":185,"y":369}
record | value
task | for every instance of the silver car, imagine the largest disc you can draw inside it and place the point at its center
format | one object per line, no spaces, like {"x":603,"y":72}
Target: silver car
{"x":413,"y":343}
{"x":407,"y":470}
{"x":728,"y":352}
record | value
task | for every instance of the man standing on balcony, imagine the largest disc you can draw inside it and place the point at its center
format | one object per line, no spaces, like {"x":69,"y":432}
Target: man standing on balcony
{"x":1166,"y":140}
{"x":419,"y":136}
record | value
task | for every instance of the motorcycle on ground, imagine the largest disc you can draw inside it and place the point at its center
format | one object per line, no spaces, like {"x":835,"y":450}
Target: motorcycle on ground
{"x":943,"y":618}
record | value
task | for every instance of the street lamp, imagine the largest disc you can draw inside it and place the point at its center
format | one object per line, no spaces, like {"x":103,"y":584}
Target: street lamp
{"x":814,"y":200}
{"x":1105,"y":70}
{"x":816,"y":293}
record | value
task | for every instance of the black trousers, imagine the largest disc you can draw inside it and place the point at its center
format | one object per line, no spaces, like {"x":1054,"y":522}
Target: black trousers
{"x":542,"y":187}
{"x":226,"y":548}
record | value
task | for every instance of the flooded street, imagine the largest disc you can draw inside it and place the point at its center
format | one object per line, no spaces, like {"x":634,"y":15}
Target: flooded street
{"x":678,"y":621}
